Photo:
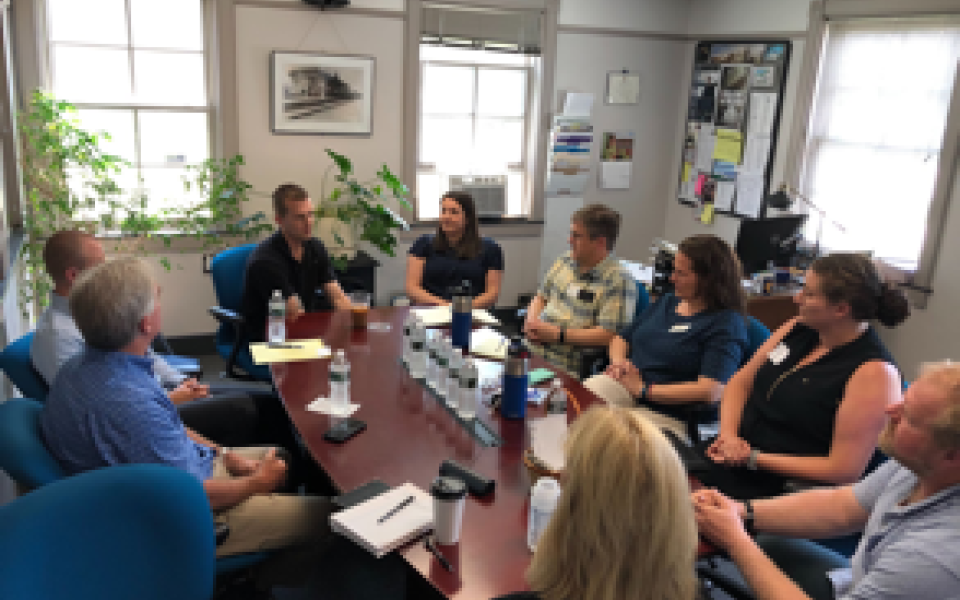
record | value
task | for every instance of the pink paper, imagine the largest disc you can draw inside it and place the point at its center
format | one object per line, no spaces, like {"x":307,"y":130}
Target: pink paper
{"x":701,"y":179}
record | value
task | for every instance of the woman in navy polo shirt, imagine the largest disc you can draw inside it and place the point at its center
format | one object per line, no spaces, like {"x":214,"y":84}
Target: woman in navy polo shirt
{"x":454,"y":254}
{"x":686,"y":345}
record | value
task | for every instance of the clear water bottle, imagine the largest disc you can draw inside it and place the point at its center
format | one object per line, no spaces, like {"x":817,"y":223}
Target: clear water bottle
{"x":444,"y":350}
{"x":543,"y":502}
{"x":556,"y":397}
{"x":418,"y":351}
{"x":340,"y":380}
{"x":277,"y":318}
{"x":407,"y":330}
{"x":469,"y":390}
{"x":453,"y":376}
{"x":433,"y":348}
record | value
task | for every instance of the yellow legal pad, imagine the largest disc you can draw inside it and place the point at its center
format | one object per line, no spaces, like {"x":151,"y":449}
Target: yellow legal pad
{"x":264,"y":354}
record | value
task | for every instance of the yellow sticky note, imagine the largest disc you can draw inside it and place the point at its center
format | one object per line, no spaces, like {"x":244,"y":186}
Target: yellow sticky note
{"x":706,"y":215}
{"x":290,"y":351}
{"x":728,"y":146}
{"x":686,"y":172}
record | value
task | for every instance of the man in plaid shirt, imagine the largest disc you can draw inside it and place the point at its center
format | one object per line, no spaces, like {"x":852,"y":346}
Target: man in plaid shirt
{"x":586,"y":296}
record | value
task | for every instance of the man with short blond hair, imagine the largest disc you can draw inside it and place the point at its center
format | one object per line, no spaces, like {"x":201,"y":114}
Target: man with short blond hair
{"x":586,"y":297}
{"x":908,"y":510}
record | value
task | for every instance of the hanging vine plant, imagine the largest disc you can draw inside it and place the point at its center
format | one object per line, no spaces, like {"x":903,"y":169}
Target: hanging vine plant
{"x":71,"y":183}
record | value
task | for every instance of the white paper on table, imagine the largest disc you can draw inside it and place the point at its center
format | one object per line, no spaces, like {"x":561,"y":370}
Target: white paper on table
{"x":325,"y":406}
{"x":578,"y":104}
{"x":762,"y":112}
{"x":547,"y":437}
{"x":615,"y":174}
{"x":443,"y":315}
{"x":723,"y":200}
{"x":756,"y":152}
{"x":706,"y":140}
{"x":487,"y":342}
{"x":749,"y":192}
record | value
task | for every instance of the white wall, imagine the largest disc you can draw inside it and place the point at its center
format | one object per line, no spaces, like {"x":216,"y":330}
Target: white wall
{"x":665,"y":16}
{"x":717,"y":17}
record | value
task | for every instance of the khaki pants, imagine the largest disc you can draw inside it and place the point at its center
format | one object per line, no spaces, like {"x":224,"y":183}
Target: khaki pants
{"x":270,"y":521}
{"x":612,"y":392}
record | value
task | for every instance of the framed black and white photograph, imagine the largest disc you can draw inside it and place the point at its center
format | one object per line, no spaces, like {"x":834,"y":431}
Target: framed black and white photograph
{"x":321,"y":94}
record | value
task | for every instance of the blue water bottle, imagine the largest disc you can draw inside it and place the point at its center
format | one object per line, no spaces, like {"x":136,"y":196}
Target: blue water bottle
{"x":462,"y":321}
{"x":514,"y":404}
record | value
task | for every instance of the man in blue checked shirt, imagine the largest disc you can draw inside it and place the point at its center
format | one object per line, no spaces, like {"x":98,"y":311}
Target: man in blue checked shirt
{"x":107,"y":408}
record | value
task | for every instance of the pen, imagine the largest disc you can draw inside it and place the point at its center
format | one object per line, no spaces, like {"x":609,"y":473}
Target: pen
{"x":406,"y":501}
{"x":433,"y":550}
{"x":284,"y":346}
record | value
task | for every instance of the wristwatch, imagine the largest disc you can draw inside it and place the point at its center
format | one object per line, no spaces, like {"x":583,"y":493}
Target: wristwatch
{"x":752,"y":461}
{"x":748,"y":518}
{"x":563,"y":335}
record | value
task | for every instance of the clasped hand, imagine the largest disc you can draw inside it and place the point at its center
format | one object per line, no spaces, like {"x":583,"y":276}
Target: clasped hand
{"x":729,"y":450}
{"x":189,"y":389}
{"x":270,"y":469}
{"x":718,"y":518}
{"x":626,"y":374}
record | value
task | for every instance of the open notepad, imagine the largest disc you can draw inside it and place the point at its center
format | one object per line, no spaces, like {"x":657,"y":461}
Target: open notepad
{"x":359,"y":523}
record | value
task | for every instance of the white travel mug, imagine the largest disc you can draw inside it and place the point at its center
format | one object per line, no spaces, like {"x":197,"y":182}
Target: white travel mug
{"x":449,"y":498}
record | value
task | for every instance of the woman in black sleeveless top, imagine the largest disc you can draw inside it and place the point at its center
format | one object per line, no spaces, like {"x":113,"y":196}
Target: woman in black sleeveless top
{"x":810,"y":403}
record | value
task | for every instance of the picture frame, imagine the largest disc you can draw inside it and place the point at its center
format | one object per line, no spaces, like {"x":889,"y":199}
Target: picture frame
{"x":321,"y":94}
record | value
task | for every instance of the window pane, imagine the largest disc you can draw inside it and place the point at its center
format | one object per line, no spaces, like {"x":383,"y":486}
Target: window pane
{"x":168,"y":24}
{"x":91,"y":74}
{"x":428,"y":195}
{"x":447,"y":90}
{"x":118,"y":124}
{"x":91,"y":21}
{"x":172,"y":79}
{"x":126,"y":180}
{"x":173,"y":138}
{"x":164,"y":188}
{"x":499,"y":142}
{"x":502,"y":93}
{"x":446,"y":142}
{"x":515,"y":194}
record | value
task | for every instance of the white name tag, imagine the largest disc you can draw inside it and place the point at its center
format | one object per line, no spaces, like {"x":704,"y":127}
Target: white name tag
{"x":779,"y":354}
{"x":574,"y":291}
{"x":680,"y":328}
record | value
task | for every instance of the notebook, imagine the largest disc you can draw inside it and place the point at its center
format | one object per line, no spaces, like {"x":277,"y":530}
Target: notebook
{"x":360,"y":523}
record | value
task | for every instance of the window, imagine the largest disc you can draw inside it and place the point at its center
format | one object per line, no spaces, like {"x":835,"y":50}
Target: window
{"x":136,"y":70}
{"x":473,"y":122}
{"x":876,"y":133}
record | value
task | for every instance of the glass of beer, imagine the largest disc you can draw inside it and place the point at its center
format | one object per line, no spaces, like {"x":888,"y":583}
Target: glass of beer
{"x":359,"y":307}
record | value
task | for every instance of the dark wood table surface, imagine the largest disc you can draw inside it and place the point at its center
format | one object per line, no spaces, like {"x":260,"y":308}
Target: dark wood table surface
{"x":408,"y":435}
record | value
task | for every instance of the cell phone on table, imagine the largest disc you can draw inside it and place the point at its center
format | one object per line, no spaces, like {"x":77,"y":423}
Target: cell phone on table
{"x":344,"y":430}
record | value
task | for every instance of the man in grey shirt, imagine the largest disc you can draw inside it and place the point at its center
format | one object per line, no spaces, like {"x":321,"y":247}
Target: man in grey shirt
{"x":908,"y":509}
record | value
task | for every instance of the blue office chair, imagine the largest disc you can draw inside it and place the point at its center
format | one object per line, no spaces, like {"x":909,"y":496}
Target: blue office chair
{"x":697,"y":414}
{"x":26,"y":459}
{"x":15,"y":362}
{"x":132,"y":531}
{"x":227,"y":269}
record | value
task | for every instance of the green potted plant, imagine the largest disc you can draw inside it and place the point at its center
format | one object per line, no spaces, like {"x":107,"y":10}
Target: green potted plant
{"x":71,"y":182}
{"x":358,"y":208}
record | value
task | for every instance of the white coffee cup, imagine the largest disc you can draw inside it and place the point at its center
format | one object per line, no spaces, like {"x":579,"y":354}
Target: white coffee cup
{"x":449,"y":498}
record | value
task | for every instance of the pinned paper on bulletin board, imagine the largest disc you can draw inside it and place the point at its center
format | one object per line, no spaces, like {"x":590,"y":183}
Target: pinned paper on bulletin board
{"x":706,"y":215}
{"x":701,"y":179}
{"x":728,"y":146}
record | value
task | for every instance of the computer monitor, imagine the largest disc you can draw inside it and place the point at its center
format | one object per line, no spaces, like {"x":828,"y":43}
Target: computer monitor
{"x":761,"y":241}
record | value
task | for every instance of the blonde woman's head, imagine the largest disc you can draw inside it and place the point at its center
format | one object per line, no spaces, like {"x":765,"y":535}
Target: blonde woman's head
{"x":624,"y":525}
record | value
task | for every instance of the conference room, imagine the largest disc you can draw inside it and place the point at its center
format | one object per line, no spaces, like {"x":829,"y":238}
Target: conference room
{"x":775,"y":127}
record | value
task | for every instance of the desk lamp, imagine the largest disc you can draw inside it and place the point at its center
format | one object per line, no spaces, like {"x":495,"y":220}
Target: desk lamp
{"x":783,"y":198}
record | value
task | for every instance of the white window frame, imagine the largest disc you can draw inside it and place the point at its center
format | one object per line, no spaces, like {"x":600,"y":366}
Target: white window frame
{"x":522,"y":167}
{"x":49,"y":75}
{"x":918,"y":283}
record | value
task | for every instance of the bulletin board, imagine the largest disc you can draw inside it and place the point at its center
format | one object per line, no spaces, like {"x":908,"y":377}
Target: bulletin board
{"x":733,"y":116}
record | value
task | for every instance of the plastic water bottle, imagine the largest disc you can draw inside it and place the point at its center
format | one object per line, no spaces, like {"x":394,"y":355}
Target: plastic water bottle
{"x":443,"y":365}
{"x":418,"y":351}
{"x":453,"y":377}
{"x":340,"y":380}
{"x":277,"y":318}
{"x":469,"y":390}
{"x":557,"y":397}
{"x":543,"y":502}
{"x":433,"y":347}
{"x":407,"y":330}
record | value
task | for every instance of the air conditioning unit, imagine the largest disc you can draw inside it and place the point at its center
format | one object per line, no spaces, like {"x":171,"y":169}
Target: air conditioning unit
{"x":489,"y":192}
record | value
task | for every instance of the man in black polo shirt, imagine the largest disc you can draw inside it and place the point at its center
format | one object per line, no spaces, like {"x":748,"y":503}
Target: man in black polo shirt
{"x":292,"y":261}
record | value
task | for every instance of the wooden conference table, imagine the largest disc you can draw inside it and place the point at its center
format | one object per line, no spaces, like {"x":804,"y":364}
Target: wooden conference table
{"x":408,"y":435}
